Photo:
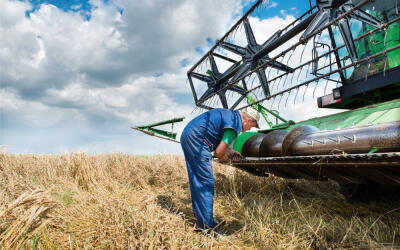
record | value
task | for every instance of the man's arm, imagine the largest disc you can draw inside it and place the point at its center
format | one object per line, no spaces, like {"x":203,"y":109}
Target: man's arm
{"x":223,"y":152}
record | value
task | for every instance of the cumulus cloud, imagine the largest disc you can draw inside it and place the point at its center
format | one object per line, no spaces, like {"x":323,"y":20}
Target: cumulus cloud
{"x":100,"y":70}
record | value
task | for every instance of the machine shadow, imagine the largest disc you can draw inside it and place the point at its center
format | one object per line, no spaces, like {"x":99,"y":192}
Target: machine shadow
{"x":323,"y":196}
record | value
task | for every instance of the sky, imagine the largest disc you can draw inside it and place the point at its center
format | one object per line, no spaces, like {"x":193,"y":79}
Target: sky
{"x":76,"y":75}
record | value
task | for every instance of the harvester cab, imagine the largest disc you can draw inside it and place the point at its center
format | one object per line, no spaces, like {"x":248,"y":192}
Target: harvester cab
{"x":370,"y":75}
{"x":350,"y":48}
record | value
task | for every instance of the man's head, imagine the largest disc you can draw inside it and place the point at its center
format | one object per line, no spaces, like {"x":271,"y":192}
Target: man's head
{"x":250,"y":118}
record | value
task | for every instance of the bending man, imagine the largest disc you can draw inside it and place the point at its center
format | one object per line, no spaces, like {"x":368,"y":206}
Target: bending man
{"x":213,"y":130}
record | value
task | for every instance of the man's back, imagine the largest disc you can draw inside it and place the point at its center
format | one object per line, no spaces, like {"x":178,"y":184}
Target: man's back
{"x":211,"y":124}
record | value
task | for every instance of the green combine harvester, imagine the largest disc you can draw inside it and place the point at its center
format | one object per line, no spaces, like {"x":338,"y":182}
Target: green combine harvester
{"x":349,"y":48}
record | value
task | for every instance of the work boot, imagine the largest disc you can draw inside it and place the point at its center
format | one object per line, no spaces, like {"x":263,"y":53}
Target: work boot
{"x":217,"y":234}
{"x":213,"y":233}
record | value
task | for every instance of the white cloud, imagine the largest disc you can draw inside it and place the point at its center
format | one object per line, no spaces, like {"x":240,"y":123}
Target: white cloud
{"x":12,"y":11}
{"x":272,"y":4}
{"x":54,"y":48}
{"x":62,"y":71}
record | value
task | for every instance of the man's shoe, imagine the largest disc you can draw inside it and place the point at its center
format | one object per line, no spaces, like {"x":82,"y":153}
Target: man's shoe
{"x":216,"y":234}
{"x":212,"y":232}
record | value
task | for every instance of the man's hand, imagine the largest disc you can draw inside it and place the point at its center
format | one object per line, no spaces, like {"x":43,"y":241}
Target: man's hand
{"x":234,"y":155}
{"x":224,"y":153}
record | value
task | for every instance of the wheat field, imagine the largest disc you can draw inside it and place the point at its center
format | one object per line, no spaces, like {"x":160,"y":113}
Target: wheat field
{"x":122,"y":201}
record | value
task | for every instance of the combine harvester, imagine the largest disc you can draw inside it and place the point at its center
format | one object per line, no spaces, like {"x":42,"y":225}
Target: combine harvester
{"x":347,"y":49}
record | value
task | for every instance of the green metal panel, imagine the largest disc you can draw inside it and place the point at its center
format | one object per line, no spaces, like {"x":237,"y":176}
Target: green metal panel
{"x":163,"y":122}
{"x":162,"y":132}
{"x":393,"y":36}
{"x":241,"y":139}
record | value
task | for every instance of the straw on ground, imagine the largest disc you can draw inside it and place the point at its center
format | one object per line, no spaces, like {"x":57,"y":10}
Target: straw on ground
{"x":126,"y":201}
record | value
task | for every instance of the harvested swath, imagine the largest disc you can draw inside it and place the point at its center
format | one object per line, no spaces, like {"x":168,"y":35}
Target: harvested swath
{"x":24,"y":218}
{"x":127,"y":201}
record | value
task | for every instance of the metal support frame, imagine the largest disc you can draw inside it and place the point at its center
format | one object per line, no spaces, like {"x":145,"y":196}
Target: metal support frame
{"x":163,"y":134}
{"x":251,"y":58}
{"x":264,"y":112}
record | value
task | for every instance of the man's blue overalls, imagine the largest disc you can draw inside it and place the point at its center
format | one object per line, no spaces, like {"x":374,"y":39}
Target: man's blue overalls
{"x":199,"y":138}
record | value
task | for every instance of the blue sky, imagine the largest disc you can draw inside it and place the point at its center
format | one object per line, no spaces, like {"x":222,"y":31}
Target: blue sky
{"x":276,"y":8}
{"x":81,"y":6}
{"x":64,"y":5}
{"x":75,"y":75}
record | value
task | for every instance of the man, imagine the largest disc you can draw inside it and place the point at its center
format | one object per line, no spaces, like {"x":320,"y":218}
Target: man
{"x":213,"y":130}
